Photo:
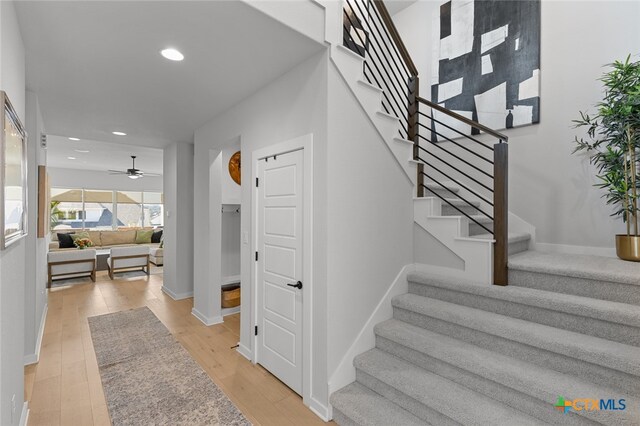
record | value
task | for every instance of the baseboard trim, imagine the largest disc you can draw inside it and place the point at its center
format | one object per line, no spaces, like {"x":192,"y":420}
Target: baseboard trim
{"x":320,"y":410}
{"x":569,"y":249}
{"x":24,"y":416}
{"x":35,"y":357}
{"x":177,"y":296}
{"x":231,"y":279}
{"x":230,"y":311}
{"x":205,"y":319}
{"x":245,"y":352}
{"x":345,"y":373}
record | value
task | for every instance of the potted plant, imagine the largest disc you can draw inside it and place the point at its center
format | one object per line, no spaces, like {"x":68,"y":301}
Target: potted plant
{"x":613,"y":140}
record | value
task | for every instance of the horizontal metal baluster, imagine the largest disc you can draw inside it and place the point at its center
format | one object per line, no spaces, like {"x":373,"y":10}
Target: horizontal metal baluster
{"x":456,"y":157}
{"x":455,"y":130}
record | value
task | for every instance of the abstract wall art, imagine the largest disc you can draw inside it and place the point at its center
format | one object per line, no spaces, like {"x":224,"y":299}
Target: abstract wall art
{"x":486,"y":62}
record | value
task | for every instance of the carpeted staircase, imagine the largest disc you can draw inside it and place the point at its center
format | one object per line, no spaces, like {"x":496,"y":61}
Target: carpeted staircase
{"x":458,"y":353}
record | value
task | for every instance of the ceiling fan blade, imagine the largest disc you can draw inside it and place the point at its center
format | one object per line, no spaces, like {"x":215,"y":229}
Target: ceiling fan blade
{"x":153,"y":174}
{"x":116,"y":172}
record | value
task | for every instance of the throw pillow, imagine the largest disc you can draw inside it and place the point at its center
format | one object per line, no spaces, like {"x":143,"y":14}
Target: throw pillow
{"x":161,"y":242}
{"x":81,"y":234}
{"x":65,"y":240}
{"x":143,"y":236}
{"x":157,"y":236}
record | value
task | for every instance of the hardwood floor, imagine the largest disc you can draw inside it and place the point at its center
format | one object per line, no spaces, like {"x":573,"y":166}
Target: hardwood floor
{"x":64,"y":388}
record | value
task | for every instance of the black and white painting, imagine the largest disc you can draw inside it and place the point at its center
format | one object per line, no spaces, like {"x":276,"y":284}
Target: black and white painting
{"x":486,"y":62}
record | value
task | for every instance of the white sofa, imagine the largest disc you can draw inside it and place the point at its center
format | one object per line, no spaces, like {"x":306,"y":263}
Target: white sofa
{"x":71,"y":264}
{"x":131,"y":257}
{"x":156,"y":255}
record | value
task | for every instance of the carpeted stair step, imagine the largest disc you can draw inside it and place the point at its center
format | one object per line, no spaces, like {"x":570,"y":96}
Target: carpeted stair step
{"x":518,"y":241}
{"x":449,"y":210}
{"x":619,"y":322}
{"x":597,"y":360}
{"x":525,"y":386}
{"x":475,"y":229}
{"x":433,"y":188}
{"x":590,"y":276}
{"x":356,"y":405}
{"x":431,"y":397}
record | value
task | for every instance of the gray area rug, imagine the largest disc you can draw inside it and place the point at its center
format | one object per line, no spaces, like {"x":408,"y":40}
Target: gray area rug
{"x":150,"y":379}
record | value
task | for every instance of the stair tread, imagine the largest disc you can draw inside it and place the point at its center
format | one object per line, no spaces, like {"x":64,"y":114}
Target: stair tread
{"x":436,"y":186}
{"x":448,"y":398}
{"x":598,"y":351}
{"x":542,"y":383}
{"x":367,"y":408}
{"x":605,"y":310}
{"x":370,"y":86}
{"x":514,"y":237}
{"x":578,"y":266}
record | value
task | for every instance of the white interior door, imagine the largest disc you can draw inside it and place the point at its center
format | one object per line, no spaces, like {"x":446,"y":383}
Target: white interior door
{"x":279,"y":266}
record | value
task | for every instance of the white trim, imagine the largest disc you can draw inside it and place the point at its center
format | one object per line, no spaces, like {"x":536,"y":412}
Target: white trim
{"x":244,"y":351}
{"x":177,"y":296}
{"x":305,"y":143}
{"x":35,"y":357}
{"x":24,"y":416}
{"x":569,"y":249}
{"x":321,"y":410}
{"x":345,"y":373}
{"x":206,"y":320}
{"x":231,"y":279}
{"x":230,"y":311}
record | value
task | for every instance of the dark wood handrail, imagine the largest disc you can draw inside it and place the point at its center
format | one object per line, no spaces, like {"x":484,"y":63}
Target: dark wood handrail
{"x":388,"y":22}
{"x":464,"y":119}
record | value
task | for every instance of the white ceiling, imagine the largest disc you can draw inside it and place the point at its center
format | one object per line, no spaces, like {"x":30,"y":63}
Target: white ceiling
{"x":102,"y":156}
{"x":96,"y":67}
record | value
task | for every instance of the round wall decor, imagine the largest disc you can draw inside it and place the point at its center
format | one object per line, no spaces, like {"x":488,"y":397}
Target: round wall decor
{"x":234,"y":167}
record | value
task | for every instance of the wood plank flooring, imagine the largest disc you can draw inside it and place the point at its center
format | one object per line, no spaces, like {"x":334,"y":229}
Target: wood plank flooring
{"x":64,"y":388}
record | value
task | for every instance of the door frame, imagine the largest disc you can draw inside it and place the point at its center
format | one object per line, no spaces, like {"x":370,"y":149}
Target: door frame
{"x":304,"y":143}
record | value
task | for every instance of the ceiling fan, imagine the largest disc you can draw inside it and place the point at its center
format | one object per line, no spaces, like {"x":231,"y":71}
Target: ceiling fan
{"x":132,"y":173}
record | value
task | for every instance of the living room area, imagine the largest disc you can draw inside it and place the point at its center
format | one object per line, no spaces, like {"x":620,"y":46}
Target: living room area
{"x":105,"y":206}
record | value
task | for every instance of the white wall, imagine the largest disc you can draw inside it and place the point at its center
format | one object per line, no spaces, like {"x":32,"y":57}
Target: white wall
{"x":370,"y":219}
{"x":178,"y":221}
{"x":13,"y":259}
{"x":550,"y":188}
{"x":291,"y":106}
{"x":36,"y":278}
{"x":75,"y":178}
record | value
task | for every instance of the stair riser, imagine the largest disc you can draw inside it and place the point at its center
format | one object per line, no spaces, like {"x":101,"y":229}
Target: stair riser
{"x":604,"y":329}
{"x":447,"y":210}
{"x":342,"y":420}
{"x":592,"y":372}
{"x":518,"y":247}
{"x":604,"y":290}
{"x":475,"y":229}
{"x":521,"y":401}
{"x":418,"y":409}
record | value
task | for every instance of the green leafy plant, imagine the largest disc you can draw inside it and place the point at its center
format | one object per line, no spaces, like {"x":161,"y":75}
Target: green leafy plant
{"x":614,"y":138}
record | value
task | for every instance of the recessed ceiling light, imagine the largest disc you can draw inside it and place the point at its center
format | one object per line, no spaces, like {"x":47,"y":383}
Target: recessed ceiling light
{"x":119,"y":133}
{"x":172,"y":54}
{"x":71,"y":158}
{"x":74,"y":139}
{"x":82,"y":151}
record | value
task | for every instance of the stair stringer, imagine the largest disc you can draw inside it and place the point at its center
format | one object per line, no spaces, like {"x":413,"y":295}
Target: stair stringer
{"x":452,"y":232}
{"x":350,"y":66}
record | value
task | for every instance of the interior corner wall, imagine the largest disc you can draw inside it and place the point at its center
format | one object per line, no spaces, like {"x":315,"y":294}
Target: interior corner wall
{"x":178,"y":223}
{"x":548,"y":187}
{"x":36,"y":277}
{"x":293,"y":105}
{"x":370,"y":219}
{"x":12,"y":259}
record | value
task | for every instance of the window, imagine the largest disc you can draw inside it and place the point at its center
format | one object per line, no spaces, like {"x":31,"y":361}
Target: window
{"x":129,"y":209}
{"x":153,"y":211}
{"x":105,"y":209}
